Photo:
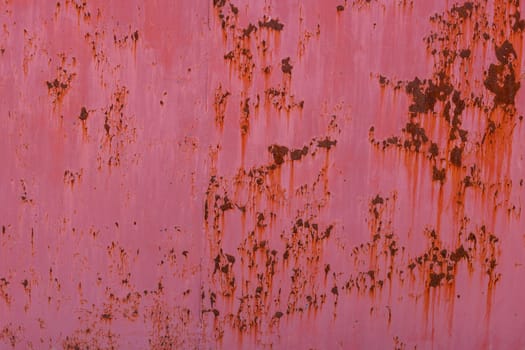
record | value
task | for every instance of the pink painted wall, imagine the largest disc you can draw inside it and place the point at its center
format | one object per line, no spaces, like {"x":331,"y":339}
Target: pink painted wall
{"x":251,"y":174}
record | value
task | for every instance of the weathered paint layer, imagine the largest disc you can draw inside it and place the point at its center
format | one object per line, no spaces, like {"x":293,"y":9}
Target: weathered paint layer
{"x":249,"y":174}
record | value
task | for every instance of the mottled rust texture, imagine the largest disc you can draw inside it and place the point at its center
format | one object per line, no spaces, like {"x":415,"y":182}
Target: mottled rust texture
{"x":295,"y":174}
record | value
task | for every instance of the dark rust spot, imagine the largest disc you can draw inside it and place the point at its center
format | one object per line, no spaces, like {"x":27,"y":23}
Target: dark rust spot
{"x":83,"y":114}
{"x":378,"y":200}
{"x":438,"y":174}
{"x":248,"y":30}
{"x":230,"y":258}
{"x":278,"y":315}
{"x":435,"y":279}
{"x":426,"y":93}
{"x":433,"y":149}
{"x":326,"y":143}
{"x":464,"y":11}
{"x":518,"y":23}
{"x":505,"y":53}
{"x":278,"y":152}
{"x":297,"y":154}
{"x":501,"y":80}
{"x":260,"y":220}
{"x":456,"y":155}
{"x":227,"y":205}
{"x":464,"y":53}
{"x":271,"y":24}
{"x":459,"y":254}
{"x":286,"y":67}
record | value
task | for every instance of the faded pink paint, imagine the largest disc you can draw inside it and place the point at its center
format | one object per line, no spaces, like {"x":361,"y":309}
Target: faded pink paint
{"x":124,"y":224}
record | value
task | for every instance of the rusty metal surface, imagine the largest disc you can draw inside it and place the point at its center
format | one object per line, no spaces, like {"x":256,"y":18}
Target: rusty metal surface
{"x":288,"y":174}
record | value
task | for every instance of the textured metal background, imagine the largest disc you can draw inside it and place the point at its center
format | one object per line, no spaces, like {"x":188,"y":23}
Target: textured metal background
{"x":288,"y":174}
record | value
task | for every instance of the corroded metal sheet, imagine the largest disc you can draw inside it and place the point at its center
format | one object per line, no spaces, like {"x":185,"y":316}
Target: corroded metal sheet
{"x":261,"y":174}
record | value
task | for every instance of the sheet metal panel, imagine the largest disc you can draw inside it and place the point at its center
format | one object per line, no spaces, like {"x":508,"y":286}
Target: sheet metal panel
{"x":261,"y":174}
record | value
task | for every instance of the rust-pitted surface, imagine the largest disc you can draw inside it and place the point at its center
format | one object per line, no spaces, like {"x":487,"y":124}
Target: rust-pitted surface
{"x":257,"y":174}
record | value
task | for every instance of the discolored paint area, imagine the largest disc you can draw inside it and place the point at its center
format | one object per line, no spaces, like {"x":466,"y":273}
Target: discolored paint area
{"x":261,"y":174}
